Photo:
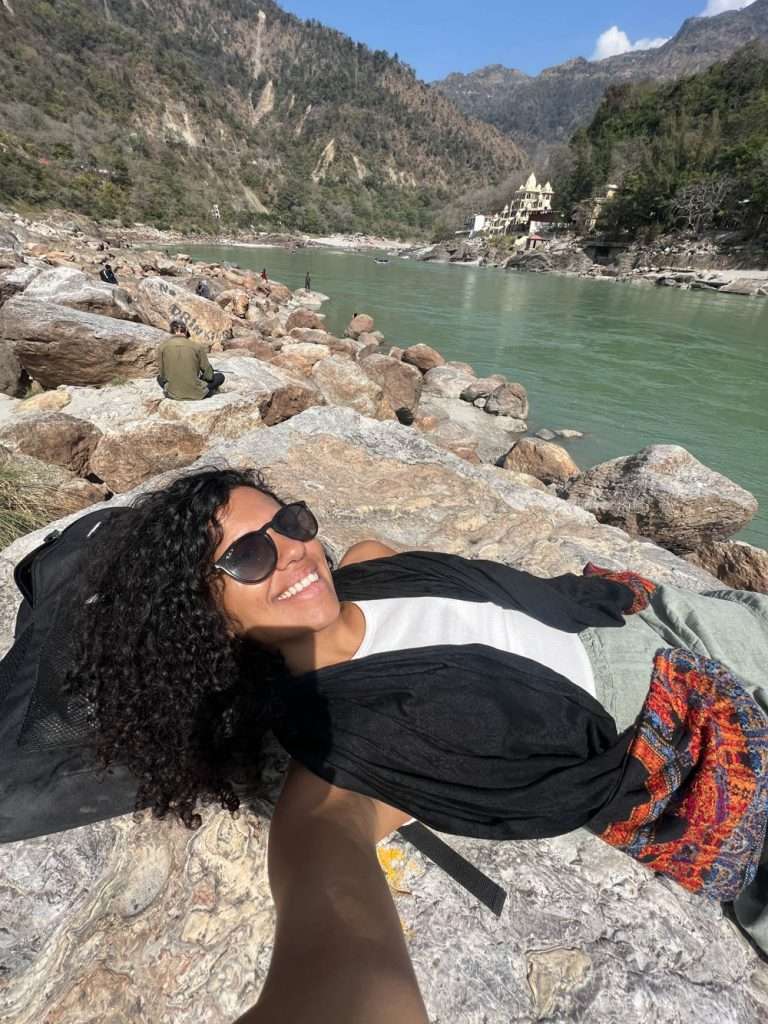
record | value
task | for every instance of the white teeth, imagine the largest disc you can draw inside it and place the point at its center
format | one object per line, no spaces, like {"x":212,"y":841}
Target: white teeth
{"x":298,"y":587}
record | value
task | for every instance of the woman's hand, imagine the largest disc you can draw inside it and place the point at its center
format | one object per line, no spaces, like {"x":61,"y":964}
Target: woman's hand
{"x":339,"y":954}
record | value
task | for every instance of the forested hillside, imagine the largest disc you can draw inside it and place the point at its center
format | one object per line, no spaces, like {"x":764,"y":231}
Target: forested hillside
{"x":538,"y":111}
{"x":132,"y":110}
{"x":691,"y":155}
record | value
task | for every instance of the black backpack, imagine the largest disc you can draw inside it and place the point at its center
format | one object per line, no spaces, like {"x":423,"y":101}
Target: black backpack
{"x":49,"y":776}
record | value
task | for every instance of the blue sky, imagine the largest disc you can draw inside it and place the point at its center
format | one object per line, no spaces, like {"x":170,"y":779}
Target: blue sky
{"x":439,"y":36}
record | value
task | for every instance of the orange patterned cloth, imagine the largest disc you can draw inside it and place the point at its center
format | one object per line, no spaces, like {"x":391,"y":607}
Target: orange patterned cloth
{"x":640,"y":587}
{"x":692,"y":802}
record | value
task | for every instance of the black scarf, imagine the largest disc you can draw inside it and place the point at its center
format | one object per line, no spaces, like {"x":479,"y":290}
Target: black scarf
{"x":468,"y":739}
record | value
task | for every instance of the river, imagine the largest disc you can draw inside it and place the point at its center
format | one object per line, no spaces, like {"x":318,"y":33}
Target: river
{"x":629,"y":365}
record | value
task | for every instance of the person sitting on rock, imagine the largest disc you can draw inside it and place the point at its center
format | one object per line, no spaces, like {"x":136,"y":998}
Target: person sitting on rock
{"x":107,"y":274}
{"x":203,"y":289}
{"x":185,"y":373}
{"x":476,"y":698}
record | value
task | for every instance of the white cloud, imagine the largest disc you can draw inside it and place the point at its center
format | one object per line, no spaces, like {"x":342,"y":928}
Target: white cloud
{"x":721,"y":6}
{"x":614,"y":41}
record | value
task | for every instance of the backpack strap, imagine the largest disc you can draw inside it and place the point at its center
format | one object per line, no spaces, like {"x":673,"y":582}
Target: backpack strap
{"x":469,"y":877}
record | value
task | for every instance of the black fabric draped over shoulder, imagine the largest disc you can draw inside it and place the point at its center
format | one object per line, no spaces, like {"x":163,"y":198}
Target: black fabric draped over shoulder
{"x":468,"y":739}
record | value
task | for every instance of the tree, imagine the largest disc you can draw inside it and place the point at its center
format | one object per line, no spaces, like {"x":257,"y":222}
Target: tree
{"x":699,"y":206}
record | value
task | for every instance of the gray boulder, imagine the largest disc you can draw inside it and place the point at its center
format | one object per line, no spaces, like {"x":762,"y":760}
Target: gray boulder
{"x":16,"y":280}
{"x":68,"y":286}
{"x":54,"y":437}
{"x":422,"y":356}
{"x":160,"y":300}
{"x":57,"y":345}
{"x":361,"y":323}
{"x":445,"y":381}
{"x":664,"y":493}
{"x":490,"y":436}
{"x":13,"y":378}
{"x":402,"y":384}
{"x":277,"y":394}
{"x":508,"y":400}
{"x":344,"y":382}
{"x":126,"y":457}
{"x":482,"y":387}
{"x":546,"y":461}
{"x":736,"y":563}
{"x":300,"y":358}
{"x":306,"y":318}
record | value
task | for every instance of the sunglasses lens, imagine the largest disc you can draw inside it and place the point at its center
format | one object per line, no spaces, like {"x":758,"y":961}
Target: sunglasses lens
{"x":296,"y":522}
{"x":253,"y":558}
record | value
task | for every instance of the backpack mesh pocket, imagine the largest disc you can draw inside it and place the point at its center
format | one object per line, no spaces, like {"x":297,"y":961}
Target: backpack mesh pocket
{"x":55,"y":718}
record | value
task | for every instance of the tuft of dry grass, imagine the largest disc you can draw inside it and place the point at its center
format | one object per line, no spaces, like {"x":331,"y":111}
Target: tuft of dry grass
{"x":25,"y":504}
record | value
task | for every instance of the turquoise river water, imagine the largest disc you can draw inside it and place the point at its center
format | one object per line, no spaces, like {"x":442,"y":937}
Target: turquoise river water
{"x":629,"y":365}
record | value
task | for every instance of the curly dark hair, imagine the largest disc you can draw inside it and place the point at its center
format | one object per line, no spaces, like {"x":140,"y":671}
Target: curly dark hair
{"x":161,"y":671}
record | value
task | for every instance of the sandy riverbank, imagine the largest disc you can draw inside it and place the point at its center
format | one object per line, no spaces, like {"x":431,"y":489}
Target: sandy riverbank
{"x":352,"y":243}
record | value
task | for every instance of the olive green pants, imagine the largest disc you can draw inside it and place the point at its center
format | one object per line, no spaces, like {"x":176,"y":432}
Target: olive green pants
{"x":729,"y":625}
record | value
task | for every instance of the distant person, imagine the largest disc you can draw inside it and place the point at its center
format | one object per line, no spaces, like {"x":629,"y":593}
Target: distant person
{"x":107,"y":274}
{"x":185,"y":373}
{"x":307,"y":283}
{"x":203,"y":289}
{"x":263,"y":275}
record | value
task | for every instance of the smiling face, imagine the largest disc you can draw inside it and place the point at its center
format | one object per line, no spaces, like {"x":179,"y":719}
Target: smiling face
{"x":297,"y":599}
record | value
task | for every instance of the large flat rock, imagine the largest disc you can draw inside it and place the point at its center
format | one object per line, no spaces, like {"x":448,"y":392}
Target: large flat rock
{"x":159,"y":301}
{"x":57,"y":345}
{"x":68,"y":286}
{"x":143,"y":921}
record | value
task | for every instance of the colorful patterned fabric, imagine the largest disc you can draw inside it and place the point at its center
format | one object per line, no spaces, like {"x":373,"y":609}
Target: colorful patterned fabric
{"x":640,"y":587}
{"x":700,"y":759}
{"x":693,"y":800}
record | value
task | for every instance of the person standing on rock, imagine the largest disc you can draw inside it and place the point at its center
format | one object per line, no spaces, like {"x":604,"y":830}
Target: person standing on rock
{"x":478,"y":699}
{"x":107,"y":274}
{"x":263,"y":275}
{"x":185,"y":373}
{"x":307,"y":283}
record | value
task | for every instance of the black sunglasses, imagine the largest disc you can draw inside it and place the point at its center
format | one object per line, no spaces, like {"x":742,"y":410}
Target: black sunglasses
{"x":253,"y":557}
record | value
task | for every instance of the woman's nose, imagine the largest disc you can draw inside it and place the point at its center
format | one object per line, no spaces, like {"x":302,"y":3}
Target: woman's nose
{"x":288,"y":549}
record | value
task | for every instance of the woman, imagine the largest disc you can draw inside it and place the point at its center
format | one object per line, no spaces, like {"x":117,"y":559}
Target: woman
{"x":481,"y":700}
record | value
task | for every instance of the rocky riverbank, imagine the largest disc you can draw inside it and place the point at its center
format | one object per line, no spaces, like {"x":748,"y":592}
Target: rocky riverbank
{"x":719,"y":264}
{"x":382,"y":442}
{"x":65,"y":226}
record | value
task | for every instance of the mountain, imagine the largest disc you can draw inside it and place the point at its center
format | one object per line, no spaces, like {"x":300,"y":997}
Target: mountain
{"x":131,"y":110}
{"x":549,"y":107}
{"x":689,"y":155}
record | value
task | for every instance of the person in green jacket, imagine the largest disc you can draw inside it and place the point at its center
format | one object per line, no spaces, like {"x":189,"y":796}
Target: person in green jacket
{"x":185,"y":373}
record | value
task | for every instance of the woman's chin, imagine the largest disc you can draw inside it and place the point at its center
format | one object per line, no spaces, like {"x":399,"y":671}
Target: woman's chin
{"x":312,"y":612}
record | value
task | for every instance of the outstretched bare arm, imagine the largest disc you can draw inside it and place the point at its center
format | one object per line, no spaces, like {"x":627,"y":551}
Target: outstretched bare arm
{"x":339,"y":955}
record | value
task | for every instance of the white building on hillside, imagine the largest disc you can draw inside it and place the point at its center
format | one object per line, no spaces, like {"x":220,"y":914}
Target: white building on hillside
{"x":529,"y":202}
{"x":474,"y":224}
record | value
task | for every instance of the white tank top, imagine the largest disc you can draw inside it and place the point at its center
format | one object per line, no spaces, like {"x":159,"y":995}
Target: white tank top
{"x":405,"y":623}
